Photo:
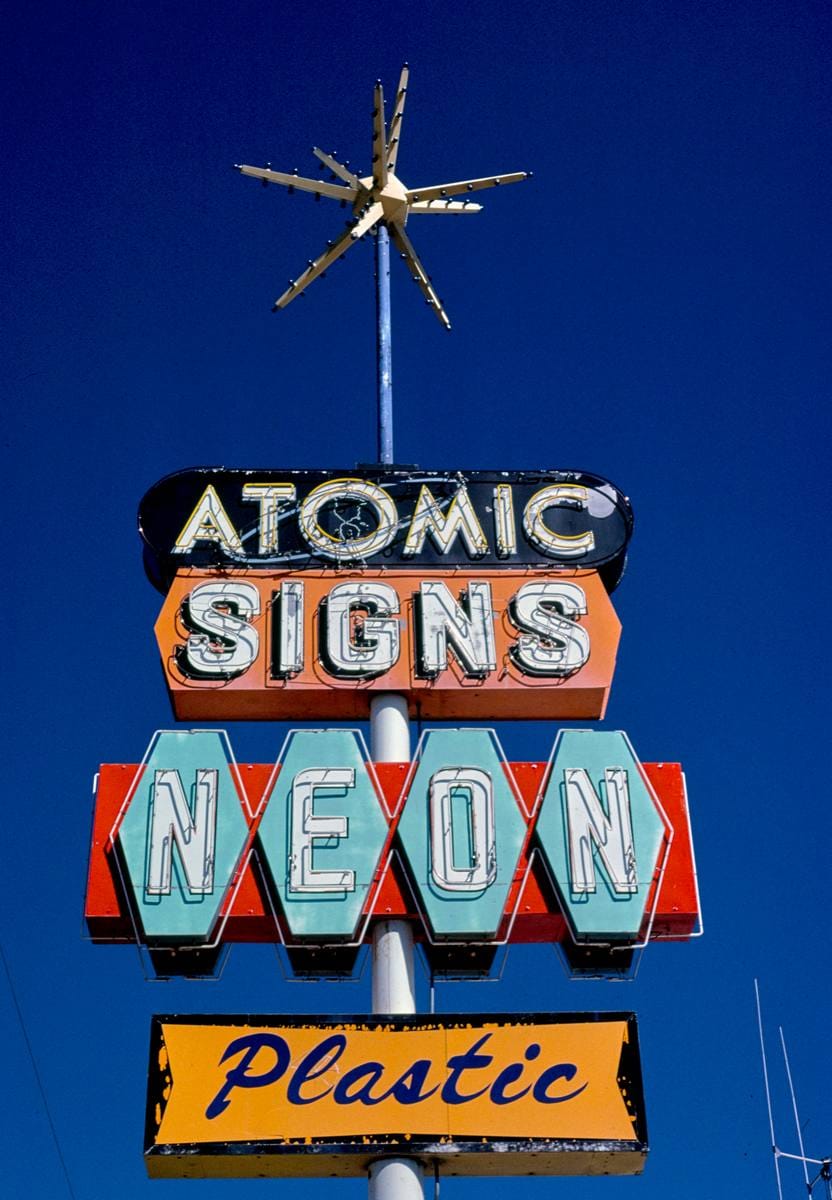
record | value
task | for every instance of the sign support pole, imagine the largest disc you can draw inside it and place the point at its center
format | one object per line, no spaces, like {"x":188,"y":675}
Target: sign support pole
{"x":384,"y":346}
{"x":393,"y":983}
{"x":393,"y":979}
{"x":393,"y":961}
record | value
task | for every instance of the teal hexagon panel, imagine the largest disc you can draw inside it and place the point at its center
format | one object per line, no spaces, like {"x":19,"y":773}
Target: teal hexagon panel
{"x":182,"y":836}
{"x":322,"y":833}
{"x":604,"y":834}
{"x":461,"y":832}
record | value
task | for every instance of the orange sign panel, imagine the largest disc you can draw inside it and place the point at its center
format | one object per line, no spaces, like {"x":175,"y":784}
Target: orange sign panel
{"x":237,"y":1096}
{"x":473,"y":645}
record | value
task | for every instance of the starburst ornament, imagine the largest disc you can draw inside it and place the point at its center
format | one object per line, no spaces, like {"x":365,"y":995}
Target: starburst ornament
{"x":380,"y":198}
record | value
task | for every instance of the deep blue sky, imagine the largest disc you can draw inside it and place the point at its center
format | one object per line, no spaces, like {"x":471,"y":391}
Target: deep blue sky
{"x":653,"y":307}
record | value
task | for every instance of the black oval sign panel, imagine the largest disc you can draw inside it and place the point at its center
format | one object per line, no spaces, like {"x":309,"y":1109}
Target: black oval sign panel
{"x":396,"y":517}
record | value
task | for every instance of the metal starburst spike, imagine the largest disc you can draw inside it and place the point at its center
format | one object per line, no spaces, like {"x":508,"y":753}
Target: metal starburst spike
{"x":380,"y":198}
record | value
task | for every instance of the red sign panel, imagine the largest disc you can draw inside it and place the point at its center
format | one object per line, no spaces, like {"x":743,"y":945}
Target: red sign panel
{"x":532,"y":912}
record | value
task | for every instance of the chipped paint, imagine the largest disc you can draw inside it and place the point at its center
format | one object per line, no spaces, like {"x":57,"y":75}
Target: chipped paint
{"x":501,"y":1107}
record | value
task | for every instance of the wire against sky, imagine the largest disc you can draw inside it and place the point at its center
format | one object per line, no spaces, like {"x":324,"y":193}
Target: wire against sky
{"x":35,"y":1071}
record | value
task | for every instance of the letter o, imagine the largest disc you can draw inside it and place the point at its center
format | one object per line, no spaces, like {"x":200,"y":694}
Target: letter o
{"x":348,"y":549}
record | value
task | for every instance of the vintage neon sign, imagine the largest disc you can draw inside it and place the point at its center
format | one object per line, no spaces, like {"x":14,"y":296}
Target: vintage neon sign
{"x":274,"y":644}
{"x":304,"y":1096}
{"x":385,"y":517}
{"x":309,"y":849}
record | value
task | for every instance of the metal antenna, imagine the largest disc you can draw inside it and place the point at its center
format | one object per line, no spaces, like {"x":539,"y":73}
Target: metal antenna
{"x":381,"y":203}
{"x":794,"y":1110}
{"x":825,"y":1173}
{"x":774,"y":1149}
{"x":384,"y":348}
{"x":381,"y":199}
{"x":825,"y":1164}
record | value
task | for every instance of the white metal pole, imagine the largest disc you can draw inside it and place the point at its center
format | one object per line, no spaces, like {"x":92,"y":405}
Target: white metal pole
{"x":393,"y":975}
{"x":393,"y":980}
{"x":384,"y":346}
{"x":396,"y":1179}
{"x":389,"y":728}
{"x":393,"y":986}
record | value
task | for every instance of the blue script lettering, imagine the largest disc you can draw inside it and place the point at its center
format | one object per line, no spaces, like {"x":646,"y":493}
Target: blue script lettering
{"x":370,"y":1072}
{"x":469,"y":1061}
{"x":510,"y":1075}
{"x":566,"y":1071}
{"x":239,"y":1076}
{"x":408,"y":1087}
{"x":316,"y":1062}
{"x":364,"y":1083}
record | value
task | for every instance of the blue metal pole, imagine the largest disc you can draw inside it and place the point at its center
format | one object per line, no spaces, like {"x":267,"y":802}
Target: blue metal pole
{"x":384,"y":347}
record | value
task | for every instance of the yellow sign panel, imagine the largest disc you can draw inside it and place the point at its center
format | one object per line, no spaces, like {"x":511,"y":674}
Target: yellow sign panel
{"x":552,"y":1094}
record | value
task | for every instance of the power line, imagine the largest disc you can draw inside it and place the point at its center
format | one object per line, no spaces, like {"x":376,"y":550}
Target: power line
{"x":36,"y":1072}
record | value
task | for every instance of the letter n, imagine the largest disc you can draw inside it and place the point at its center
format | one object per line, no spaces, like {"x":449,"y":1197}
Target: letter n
{"x":193,"y":833}
{"x":589,"y":828}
